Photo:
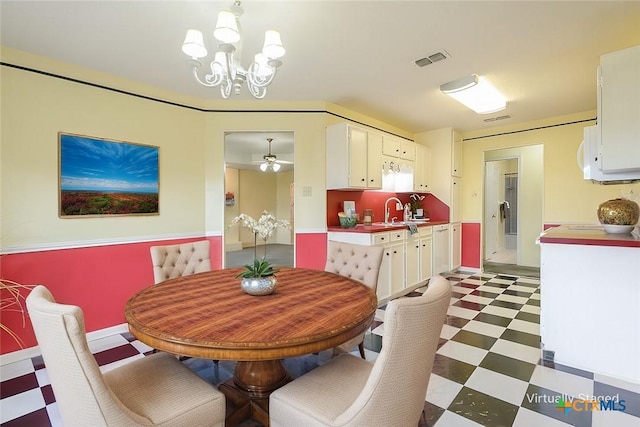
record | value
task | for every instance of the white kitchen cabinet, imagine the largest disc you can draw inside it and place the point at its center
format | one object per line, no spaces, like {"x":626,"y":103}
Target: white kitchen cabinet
{"x":440,"y":249}
{"x":425,"y":253}
{"x":456,"y":155}
{"x":412,"y":259}
{"x":393,"y":258}
{"x":455,"y":209}
{"x":422,"y":170}
{"x":354,"y":158}
{"x":619,"y":110}
{"x":398,"y":147}
{"x":455,"y":232}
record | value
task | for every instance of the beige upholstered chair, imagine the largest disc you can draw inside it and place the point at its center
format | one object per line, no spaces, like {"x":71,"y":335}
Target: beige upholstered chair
{"x":358,"y":262}
{"x":349,"y":391}
{"x":180,"y":260}
{"x":156,"y":390}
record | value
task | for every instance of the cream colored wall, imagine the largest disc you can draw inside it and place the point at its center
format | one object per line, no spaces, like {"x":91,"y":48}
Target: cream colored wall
{"x":283,"y":206}
{"x":256,"y":193}
{"x":37,"y":107}
{"x":568,"y":198}
{"x":232,"y":235}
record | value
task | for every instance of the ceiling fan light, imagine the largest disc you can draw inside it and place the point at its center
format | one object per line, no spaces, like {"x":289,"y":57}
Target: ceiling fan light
{"x":476,"y":94}
{"x":226,"y":27}
{"x":275,"y":167}
{"x":264,"y":166}
{"x":273,"y":48}
{"x":194,"y":44}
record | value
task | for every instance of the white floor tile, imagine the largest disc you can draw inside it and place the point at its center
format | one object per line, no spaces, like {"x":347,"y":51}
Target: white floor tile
{"x":449,"y":419}
{"x":483,"y":328}
{"x":494,"y":384}
{"x":54,"y":415}
{"x":524,"y":326}
{"x":535,"y":297}
{"x":463,"y":352}
{"x":500,"y":311}
{"x":477,"y":299}
{"x":442,"y":391}
{"x":461,"y":290}
{"x":491,"y":289}
{"x":448,"y":331}
{"x":107,"y":343}
{"x":379,"y":315}
{"x":531,"y":309}
{"x":528,"y":418}
{"x":140,"y":346}
{"x":453,"y":300}
{"x":516,"y":351}
{"x":561,"y":382}
{"x":21,"y":404}
{"x":529,"y":280}
{"x":462,"y":312}
{"x":43,"y":377}
{"x":473,"y":281}
{"x":614,"y":418}
{"x":16,"y":369}
{"x":378,"y":330}
{"x":110,"y":366}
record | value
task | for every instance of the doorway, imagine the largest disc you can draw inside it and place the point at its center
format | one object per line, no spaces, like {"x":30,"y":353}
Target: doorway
{"x":513,"y":210}
{"x":259,"y":171}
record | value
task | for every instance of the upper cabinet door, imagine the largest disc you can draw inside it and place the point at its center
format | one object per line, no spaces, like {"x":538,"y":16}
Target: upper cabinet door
{"x":357,"y":158}
{"x":374,"y":160}
{"x":390,"y":146}
{"x":456,"y":154}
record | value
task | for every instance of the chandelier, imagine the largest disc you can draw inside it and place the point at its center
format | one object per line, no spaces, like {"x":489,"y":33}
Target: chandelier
{"x":226,"y":69}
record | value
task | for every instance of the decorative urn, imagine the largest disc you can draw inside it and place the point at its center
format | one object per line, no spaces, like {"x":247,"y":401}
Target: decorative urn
{"x":618,"y":212}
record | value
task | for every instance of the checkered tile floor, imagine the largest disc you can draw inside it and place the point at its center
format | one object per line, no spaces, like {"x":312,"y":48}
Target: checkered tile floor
{"x":487,"y":369}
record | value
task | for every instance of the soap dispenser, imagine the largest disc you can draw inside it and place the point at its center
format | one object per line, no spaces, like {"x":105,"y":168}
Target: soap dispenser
{"x":407,"y":212}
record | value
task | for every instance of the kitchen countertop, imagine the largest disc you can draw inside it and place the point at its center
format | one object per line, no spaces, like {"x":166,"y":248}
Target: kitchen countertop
{"x":361,"y":228}
{"x":587,"y":234}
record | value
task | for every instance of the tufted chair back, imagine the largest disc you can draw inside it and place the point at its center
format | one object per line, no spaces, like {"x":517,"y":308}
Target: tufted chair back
{"x":180,"y":260}
{"x":358,"y":262}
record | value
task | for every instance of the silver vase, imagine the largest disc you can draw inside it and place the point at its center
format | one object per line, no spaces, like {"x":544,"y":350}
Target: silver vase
{"x":259,"y":285}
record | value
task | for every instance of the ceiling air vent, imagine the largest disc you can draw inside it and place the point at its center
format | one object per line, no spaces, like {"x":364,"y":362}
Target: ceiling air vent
{"x":434,"y":57}
{"x":493,"y":119}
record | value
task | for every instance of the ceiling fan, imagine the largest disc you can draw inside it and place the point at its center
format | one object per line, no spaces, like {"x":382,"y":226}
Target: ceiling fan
{"x":270,"y":161}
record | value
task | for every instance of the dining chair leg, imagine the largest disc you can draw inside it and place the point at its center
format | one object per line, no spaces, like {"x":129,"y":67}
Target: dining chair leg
{"x":361,"y":348}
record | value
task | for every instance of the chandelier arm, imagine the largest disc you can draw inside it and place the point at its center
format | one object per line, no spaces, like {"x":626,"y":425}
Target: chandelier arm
{"x":257,"y":79}
{"x":225,"y":87}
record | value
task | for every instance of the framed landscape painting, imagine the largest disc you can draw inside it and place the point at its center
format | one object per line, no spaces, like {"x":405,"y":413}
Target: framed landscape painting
{"x":100,"y":177}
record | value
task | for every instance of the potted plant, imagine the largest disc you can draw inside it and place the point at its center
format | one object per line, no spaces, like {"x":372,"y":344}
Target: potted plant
{"x":416,"y":205}
{"x":259,"y":278}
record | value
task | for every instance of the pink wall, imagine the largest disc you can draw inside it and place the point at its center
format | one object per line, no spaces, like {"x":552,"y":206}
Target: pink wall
{"x":98,"y":279}
{"x":438,"y":211}
{"x":101,"y":279}
{"x":471,"y":244}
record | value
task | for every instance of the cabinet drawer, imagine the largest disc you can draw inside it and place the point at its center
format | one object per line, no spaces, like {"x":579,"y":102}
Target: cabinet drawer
{"x":425,"y":231}
{"x":396,"y":235}
{"x":380,"y":238}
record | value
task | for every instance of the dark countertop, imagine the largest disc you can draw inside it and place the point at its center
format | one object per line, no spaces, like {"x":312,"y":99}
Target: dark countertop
{"x":360,"y":228}
{"x":587,"y":234}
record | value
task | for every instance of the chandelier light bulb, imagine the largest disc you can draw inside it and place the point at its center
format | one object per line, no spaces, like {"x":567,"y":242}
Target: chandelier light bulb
{"x":227,"y":28}
{"x":194,"y":44}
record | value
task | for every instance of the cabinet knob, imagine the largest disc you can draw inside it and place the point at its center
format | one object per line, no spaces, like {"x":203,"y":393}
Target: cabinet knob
{"x":395,"y":252}
{"x":362,"y":180}
{"x":418,"y":247}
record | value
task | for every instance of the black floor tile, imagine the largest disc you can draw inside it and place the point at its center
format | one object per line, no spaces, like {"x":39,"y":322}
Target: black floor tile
{"x":470,"y":305}
{"x":485,"y":294}
{"x":457,"y":295}
{"x":630,"y":399}
{"x":529,"y":317}
{"x":521,"y":338}
{"x":497,"y":285}
{"x":482,"y":408}
{"x":506,"y":304}
{"x":452,"y":369}
{"x":546,"y":402}
{"x":508,"y":366}
{"x":430,"y":414}
{"x":493,"y":319}
{"x":505,"y":277}
{"x":468,"y":285}
{"x":516,"y":293}
{"x":474,"y":339}
{"x":458,"y":322}
{"x":535,"y":302}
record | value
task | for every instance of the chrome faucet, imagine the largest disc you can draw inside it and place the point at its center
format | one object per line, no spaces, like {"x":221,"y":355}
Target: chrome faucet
{"x":386,"y":208}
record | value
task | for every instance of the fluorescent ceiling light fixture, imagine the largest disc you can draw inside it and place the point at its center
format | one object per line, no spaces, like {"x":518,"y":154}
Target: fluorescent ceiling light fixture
{"x":475,"y":93}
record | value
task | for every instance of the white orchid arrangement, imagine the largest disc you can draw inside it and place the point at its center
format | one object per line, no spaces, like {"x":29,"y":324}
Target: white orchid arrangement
{"x":264,"y":227}
{"x":416,"y":202}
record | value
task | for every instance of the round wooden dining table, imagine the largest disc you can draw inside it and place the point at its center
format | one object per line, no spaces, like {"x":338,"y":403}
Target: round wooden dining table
{"x":207,"y":315}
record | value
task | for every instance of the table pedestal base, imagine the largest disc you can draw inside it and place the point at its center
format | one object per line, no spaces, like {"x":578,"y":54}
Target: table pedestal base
{"x":248,"y":392}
